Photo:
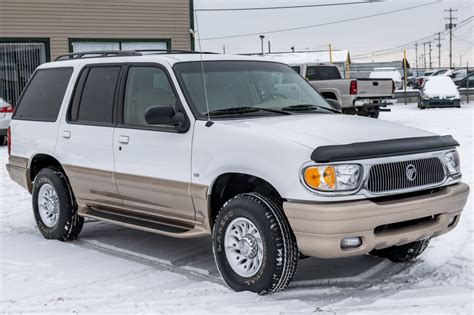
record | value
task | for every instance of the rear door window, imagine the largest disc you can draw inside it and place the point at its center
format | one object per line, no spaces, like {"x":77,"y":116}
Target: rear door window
{"x":94,"y":103}
{"x":43,"y":96}
{"x":320,"y":73}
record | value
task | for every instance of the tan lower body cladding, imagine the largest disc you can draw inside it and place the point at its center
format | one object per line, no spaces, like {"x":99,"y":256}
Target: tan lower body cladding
{"x":320,"y":227}
{"x":17,"y":168}
{"x":152,"y":199}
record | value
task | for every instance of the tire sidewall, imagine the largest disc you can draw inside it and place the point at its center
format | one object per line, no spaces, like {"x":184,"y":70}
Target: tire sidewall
{"x":48,"y":176}
{"x":272,"y":244}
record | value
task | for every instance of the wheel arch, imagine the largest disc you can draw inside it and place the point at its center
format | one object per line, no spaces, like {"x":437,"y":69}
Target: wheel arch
{"x":230,"y":184}
{"x":40,"y":161}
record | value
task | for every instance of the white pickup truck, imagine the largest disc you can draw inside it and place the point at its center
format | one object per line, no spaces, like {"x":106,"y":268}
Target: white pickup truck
{"x":363,"y":97}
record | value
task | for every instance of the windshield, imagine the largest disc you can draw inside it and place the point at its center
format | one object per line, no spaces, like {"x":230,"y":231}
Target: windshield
{"x":232,"y":85}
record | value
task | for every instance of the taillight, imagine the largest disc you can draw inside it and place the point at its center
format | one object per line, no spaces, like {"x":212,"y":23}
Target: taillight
{"x":393,"y":86}
{"x":420,"y":82}
{"x":9,"y":141}
{"x":6,"y":109}
{"x":353,"y":87}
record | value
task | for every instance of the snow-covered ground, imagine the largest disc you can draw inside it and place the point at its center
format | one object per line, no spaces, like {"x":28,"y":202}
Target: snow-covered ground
{"x":115,"y":269}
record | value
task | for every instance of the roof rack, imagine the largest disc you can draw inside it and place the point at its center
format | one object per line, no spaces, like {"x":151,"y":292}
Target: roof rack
{"x":123,"y":53}
{"x":171,"y":51}
{"x":98,"y":54}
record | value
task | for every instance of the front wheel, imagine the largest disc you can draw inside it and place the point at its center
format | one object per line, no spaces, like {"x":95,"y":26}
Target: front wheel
{"x":53,"y":206}
{"x":253,"y":244}
{"x":403,"y":253}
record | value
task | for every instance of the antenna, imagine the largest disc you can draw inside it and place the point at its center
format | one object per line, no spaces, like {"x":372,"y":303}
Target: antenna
{"x":209,"y":122}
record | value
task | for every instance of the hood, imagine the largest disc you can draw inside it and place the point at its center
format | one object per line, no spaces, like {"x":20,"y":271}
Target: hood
{"x":313,"y":130}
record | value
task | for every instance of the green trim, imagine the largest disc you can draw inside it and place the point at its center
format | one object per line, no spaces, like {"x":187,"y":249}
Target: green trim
{"x":44,"y":40}
{"x":191,"y":22}
{"x":118,"y":40}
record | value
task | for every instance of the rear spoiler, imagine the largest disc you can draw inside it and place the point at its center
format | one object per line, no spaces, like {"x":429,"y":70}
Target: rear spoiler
{"x":383,"y":148}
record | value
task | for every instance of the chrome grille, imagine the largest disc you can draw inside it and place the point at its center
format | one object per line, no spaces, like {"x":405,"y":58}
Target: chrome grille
{"x":393,"y":176}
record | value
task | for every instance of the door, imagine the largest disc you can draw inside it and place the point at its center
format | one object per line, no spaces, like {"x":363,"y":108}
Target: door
{"x":152,"y":162}
{"x":85,"y":140}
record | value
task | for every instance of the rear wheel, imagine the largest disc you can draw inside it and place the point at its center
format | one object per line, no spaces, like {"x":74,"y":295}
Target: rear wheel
{"x":253,"y":244}
{"x":375,"y":113}
{"x":403,"y":253}
{"x":53,"y":206}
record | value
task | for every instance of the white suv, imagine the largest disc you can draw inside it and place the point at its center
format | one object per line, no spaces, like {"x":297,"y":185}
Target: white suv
{"x":238,"y":148}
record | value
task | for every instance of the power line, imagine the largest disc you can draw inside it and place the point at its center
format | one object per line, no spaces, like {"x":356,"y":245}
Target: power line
{"x":413,"y":42}
{"x":286,"y":7}
{"x":324,"y":24}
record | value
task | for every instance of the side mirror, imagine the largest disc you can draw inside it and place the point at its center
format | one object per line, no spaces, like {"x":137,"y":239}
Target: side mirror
{"x":163,"y":115}
{"x":334,"y":104}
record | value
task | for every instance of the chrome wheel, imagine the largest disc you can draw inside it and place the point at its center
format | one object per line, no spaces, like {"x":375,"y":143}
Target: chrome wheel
{"x":243,"y":247}
{"x":48,"y":205}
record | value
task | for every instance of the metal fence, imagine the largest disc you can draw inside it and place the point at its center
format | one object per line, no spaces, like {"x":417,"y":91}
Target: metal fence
{"x":17,"y":62}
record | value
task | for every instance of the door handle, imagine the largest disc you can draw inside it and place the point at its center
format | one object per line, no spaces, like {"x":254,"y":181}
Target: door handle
{"x":66,"y":134}
{"x":123,"y":139}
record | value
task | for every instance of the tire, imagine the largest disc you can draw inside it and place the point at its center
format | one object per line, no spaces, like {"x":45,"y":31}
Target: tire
{"x":375,"y":114}
{"x":278,"y":251}
{"x":3,"y":140}
{"x":68,"y":224}
{"x":403,"y":253}
{"x":349,"y":111}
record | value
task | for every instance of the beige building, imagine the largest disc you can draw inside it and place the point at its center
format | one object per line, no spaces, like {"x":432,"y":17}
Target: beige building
{"x":37,"y":31}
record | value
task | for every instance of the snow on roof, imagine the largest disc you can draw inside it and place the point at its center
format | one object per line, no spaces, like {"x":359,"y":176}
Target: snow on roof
{"x":440,"y":86}
{"x":338,"y":56}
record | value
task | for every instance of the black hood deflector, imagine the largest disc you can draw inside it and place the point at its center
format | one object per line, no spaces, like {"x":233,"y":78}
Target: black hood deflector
{"x":383,"y":148}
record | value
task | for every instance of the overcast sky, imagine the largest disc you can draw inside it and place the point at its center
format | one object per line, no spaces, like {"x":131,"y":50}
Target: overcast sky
{"x":359,"y":37}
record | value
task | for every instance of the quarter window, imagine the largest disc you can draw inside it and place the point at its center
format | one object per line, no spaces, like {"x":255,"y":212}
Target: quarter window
{"x":97,"y":98}
{"x":145,"y":87}
{"x":44,"y":95}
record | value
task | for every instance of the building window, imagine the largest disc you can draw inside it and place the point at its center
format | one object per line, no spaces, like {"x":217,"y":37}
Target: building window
{"x":18,"y":61}
{"x":80,"y":45}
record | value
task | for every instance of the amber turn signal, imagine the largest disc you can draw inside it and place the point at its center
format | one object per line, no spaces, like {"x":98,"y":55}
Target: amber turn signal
{"x":312,"y":177}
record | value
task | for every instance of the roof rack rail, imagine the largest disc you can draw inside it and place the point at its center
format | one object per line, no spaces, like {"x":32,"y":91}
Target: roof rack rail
{"x":123,"y":53}
{"x":171,"y":51}
{"x":98,"y":54}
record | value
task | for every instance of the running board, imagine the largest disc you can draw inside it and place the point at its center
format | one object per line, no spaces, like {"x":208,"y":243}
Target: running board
{"x":143,"y":222}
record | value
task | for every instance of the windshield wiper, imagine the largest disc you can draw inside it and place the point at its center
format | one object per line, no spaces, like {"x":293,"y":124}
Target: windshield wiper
{"x":243,"y":110}
{"x":305,"y":108}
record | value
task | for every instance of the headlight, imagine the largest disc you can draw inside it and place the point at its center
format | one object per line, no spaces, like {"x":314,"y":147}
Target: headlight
{"x":329,"y":178}
{"x":452,"y":162}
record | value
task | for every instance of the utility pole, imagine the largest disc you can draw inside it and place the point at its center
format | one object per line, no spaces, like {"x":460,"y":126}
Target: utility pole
{"x":424,"y":54}
{"x":429,"y":44}
{"x":439,"y":48}
{"x":223,"y":49}
{"x":422,"y":57}
{"x":450,"y":27}
{"x":269,"y":48}
{"x":292,"y":48}
{"x":262,"y":37}
{"x":416,"y":55}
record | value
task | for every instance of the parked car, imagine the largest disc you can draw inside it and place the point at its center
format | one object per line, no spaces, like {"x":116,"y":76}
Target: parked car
{"x":420,"y":80}
{"x":458,"y":75}
{"x":363,"y":97}
{"x":463,"y":82}
{"x":266,"y":166}
{"x":439,"y":91}
{"x":6,"y":111}
{"x":388,"y":73}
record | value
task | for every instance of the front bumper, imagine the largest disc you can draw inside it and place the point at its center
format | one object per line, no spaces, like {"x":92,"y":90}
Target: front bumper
{"x":320,"y":227}
{"x":441,"y":102}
